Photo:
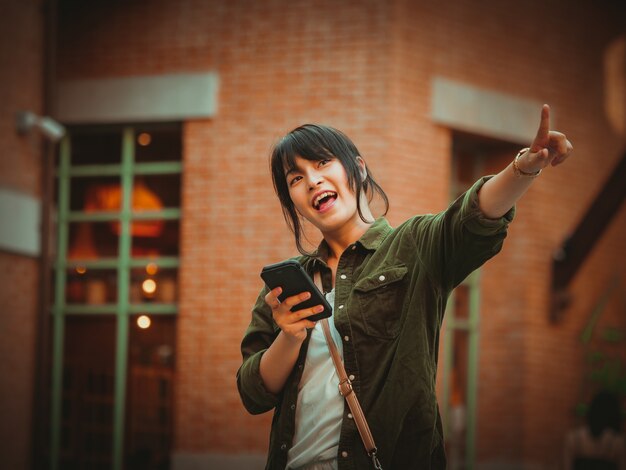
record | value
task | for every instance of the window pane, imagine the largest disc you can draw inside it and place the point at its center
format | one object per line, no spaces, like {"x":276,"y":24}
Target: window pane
{"x":92,"y":240}
{"x":152,"y":145}
{"x":455,"y":445}
{"x":87,"y":418}
{"x":461,"y":302}
{"x":154,"y":192}
{"x":96,"y":147}
{"x":153,"y":284}
{"x":150,"y":391}
{"x":95,"y":194}
{"x":155,"y":238}
{"x":91,"y":286}
{"x":465,"y":169}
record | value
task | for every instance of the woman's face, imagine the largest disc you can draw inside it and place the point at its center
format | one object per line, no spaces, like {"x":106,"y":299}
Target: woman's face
{"x":320,"y":192}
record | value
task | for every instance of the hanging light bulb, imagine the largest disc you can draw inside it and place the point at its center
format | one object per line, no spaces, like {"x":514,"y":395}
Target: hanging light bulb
{"x":143,"y":322}
{"x":144,"y":139}
{"x":149,"y":287}
{"x":152,"y":269}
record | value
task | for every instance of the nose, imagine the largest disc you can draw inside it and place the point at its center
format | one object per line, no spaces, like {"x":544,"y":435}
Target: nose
{"x":314,"y":179}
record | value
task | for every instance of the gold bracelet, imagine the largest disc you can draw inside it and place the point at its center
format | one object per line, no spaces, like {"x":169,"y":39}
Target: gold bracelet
{"x":519,"y":172}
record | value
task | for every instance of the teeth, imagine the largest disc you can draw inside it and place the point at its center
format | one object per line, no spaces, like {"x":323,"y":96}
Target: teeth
{"x":316,"y":203}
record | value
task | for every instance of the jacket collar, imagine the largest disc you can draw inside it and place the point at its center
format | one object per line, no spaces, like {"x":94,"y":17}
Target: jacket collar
{"x":375,"y":235}
{"x":370,"y":240}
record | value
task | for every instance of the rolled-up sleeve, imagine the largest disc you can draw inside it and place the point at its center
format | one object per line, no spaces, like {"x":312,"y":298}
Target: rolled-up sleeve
{"x":460,"y":239}
{"x":472,"y":217}
{"x":258,"y":337}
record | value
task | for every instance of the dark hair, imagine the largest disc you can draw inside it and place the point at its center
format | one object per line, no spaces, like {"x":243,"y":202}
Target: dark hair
{"x":604,"y":413}
{"x":317,"y":142}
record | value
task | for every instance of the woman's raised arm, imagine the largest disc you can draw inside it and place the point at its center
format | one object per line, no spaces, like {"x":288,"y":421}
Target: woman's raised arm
{"x":501,"y":192}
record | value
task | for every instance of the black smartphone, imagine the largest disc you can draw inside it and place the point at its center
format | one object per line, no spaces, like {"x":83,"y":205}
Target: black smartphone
{"x":293,"y":279}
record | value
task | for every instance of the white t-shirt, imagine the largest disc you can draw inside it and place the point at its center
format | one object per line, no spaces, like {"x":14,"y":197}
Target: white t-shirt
{"x":319,"y":410}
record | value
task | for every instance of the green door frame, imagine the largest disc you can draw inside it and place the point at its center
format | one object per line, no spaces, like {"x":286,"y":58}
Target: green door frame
{"x":123,"y":263}
{"x":471,"y":327}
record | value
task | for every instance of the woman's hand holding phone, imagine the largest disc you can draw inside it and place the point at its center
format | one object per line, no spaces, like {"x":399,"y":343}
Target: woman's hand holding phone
{"x":280,"y":357}
{"x":292,"y":324}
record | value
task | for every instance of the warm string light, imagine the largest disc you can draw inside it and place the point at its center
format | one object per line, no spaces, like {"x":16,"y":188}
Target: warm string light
{"x":149,"y":287}
{"x":143,"y":322}
{"x":144,"y":139}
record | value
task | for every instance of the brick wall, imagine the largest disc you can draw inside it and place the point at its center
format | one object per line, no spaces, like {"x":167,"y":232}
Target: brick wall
{"x":366,"y":67}
{"x":21,"y":30}
{"x":298,"y":75}
{"x":530,"y":370}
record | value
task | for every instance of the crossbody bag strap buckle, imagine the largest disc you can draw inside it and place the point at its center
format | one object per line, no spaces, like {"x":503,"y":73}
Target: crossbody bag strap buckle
{"x":345,"y":387}
{"x":372,"y":455}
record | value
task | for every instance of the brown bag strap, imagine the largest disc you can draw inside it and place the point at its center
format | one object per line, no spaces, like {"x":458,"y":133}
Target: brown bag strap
{"x":346,"y":390}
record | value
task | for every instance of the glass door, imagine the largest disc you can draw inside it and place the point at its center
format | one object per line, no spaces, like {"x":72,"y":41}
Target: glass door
{"x":115,"y":297}
{"x":461,"y":331}
{"x":473,"y":156}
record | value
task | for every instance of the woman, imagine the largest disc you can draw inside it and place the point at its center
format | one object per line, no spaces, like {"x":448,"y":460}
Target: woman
{"x":389,"y":288}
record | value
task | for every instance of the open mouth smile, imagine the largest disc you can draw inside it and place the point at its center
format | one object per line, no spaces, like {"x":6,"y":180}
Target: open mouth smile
{"x":324,"y":200}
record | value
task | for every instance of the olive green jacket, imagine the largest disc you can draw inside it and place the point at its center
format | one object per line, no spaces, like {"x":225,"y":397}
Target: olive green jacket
{"x":390,"y":295}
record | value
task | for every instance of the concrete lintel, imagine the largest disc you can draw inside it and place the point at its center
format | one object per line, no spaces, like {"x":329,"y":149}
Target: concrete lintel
{"x":173,"y":97}
{"x":485,"y":112}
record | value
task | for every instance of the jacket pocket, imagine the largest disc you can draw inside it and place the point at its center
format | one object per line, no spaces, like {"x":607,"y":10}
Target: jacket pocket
{"x":380,"y":297}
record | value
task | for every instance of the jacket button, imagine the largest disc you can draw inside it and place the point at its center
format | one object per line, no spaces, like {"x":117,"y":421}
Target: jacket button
{"x":346,"y":338}
{"x":344,"y":454}
{"x":340,"y":307}
{"x":381,"y":278}
{"x":343,"y":276}
{"x":283,"y":447}
{"x":350,"y":415}
{"x":293,"y":407}
{"x":351,"y":377}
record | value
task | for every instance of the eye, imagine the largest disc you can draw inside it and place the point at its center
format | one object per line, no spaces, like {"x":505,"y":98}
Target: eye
{"x":294,"y":180}
{"x":324,"y":162}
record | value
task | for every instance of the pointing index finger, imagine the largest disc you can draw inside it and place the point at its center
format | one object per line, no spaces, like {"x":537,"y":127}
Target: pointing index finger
{"x":544,"y":128}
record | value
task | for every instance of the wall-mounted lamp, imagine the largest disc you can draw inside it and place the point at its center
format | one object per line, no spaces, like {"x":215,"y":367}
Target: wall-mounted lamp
{"x":25,"y":121}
